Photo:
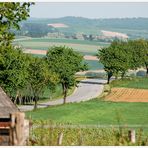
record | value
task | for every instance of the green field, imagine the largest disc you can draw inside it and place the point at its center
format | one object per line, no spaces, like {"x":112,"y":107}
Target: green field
{"x":95,"y":112}
{"x":84,"y":47}
{"x":75,"y":41}
{"x":94,"y":65}
{"x":139,"y":83}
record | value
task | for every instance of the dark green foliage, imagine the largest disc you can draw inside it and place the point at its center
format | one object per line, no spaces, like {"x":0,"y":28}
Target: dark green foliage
{"x":139,"y":52}
{"x":119,"y":57}
{"x":39,"y":77}
{"x":13,"y":69}
{"x":65,"y":62}
{"x":20,"y":73}
{"x":115,"y":58}
{"x":35,"y":29}
{"x":11,"y":13}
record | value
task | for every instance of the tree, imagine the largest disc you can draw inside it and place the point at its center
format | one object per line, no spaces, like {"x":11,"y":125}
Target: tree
{"x":139,"y":52}
{"x":11,"y":13}
{"x":37,"y":29}
{"x":39,"y":77}
{"x":13,"y":69}
{"x":65,"y":62}
{"x":115,"y":59}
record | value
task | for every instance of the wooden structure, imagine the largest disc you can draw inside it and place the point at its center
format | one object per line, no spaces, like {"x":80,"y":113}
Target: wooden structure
{"x":14,"y":129}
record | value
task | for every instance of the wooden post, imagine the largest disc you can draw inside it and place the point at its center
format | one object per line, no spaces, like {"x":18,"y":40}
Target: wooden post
{"x":19,"y":129}
{"x":60,"y":138}
{"x":132,"y":136}
{"x":26,"y":131}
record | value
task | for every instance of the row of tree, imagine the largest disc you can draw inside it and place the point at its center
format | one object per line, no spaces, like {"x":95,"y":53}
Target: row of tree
{"x":34,"y":30}
{"x":21,"y":72}
{"x":121,"y":56}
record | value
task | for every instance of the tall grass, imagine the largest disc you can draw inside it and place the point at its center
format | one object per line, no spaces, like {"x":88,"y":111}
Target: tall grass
{"x":48,"y":134}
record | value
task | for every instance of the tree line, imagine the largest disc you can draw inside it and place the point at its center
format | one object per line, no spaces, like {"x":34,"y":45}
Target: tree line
{"x":23,"y":75}
{"x":121,"y":56}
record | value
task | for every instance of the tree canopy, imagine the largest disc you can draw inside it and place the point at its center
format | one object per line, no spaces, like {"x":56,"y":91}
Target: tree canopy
{"x":121,"y":56}
{"x":65,"y":62}
{"x":11,"y":13}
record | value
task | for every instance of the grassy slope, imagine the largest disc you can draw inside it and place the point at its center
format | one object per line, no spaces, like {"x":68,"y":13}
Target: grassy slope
{"x":95,"y":112}
{"x":99,"y":112}
{"x":140,"y":83}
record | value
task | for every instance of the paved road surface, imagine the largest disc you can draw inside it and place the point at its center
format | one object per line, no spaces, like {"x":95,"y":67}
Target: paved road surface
{"x":86,"y":90}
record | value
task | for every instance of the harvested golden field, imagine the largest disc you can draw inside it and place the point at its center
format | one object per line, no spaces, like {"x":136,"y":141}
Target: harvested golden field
{"x":128,"y":95}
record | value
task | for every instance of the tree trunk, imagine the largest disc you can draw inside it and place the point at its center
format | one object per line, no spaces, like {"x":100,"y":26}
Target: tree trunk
{"x":16,"y":96}
{"x":123,"y":74}
{"x":35,"y":102}
{"x":147,"y":71}
{"x":109,"y":77}
{"x":64,"y":93}
{"x":116,"y":76}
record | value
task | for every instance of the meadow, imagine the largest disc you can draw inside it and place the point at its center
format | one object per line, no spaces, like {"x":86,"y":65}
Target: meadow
{"x":94,"y":112}
{"x":83,"y":47}
{"x":98,"y":111}
{"x":137,"y":82}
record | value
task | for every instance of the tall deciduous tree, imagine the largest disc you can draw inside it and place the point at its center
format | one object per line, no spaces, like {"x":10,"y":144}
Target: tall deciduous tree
{"x":13,"y":69}
{"x":139,"y":52}
{"x":39,"y":77}
{"x":11,"y":13}
{"x":65,"y":62}
{"x":115,"y":59}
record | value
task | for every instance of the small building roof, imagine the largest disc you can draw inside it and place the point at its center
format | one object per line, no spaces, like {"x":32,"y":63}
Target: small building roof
{"x":6,"y":105}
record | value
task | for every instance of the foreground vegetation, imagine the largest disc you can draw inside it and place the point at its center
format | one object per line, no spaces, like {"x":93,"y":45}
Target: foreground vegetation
{"x":83,"y":135}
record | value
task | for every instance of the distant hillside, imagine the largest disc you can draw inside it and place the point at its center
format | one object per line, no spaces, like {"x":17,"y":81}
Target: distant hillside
{"x":133,"y":27}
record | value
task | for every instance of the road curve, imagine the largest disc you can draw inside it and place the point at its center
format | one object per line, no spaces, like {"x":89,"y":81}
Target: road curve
{"x":87,"y":89}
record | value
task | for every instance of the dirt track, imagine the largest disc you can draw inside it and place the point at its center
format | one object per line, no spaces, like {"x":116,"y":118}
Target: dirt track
{"x":128,"y":95}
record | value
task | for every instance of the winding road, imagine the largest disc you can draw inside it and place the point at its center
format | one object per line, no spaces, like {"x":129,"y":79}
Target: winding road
{"x":87,"y":89}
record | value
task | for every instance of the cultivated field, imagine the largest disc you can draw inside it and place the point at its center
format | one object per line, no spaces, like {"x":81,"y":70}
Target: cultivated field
{"x":128,"y":95}
{"x":39,"y":47}
{"x":43,"y":52}
{"x":84,"y":47}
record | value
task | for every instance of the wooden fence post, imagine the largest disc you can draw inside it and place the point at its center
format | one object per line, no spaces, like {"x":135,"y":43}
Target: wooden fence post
{"x":19,"y":129}
{"x":60,"y":138}
{"x":132,"y":136}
